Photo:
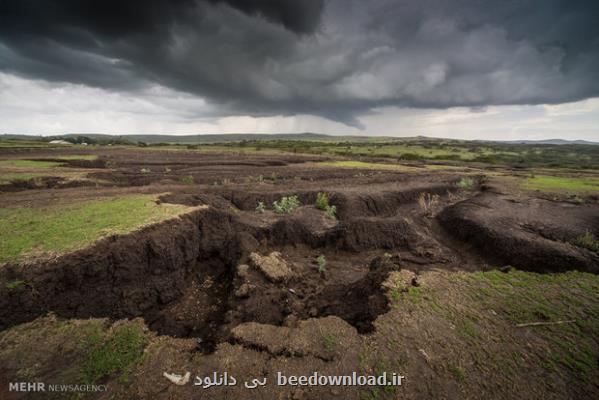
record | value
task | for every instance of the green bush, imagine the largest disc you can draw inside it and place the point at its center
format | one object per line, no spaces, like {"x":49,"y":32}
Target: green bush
{"x":188,"y":180}
{"x":286,"y":205}
{"x":331,"y":211}
{"x":321,"y":263}
{"x":260,"y":207}
{"x":465,"y":183}
{"x":322,"y":201}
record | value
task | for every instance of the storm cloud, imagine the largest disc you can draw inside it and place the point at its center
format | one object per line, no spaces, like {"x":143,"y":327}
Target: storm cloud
{"x":337,"y":59}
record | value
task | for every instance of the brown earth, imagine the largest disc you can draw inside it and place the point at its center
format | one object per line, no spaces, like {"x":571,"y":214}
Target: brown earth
{"x":195,"y":282}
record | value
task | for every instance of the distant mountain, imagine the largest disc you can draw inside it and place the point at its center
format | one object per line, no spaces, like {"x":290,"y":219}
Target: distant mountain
{"x":548,"y":141}
{"x":214,"y":138}
{"x":237,"y":137}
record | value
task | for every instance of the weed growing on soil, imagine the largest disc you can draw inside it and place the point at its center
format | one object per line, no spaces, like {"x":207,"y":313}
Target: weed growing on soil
{"x":260,"y":208}
{"x":330,"y":342}
{"x":465,"y":183}
{"x":457,"y":372}
{"x":14,"y":284}
{"x":187,"y":180}
{"x":286,"y":205}
{"x":321,"y":263}
{"x":322,"y":203}
{"x":588,"y":241}
{"x":145,"y":170}
{"x":427,"y":203}
{"x":107,"y":355}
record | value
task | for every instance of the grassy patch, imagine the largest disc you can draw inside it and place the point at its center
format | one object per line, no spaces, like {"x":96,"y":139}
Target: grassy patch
{"x":587,"y":241}
{"x":89,"y":157}
{"x":465,"y":183}
{"x":330,"y":342}
{"x":29,"y":164}
{"x":114,"y":352}
{"x":187,"y":180}
{"x":368,"y":165}
{"x":561,"y":184}
{"x":8,"y":177}
{"x":457,"y":372}
{"x":29,"y":231}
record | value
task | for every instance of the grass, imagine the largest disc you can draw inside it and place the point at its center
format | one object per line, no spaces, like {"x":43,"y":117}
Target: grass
{"x":465,"y":183}
{"x":457,"y":372}
{"x":330,"y":342}
{"x":112,"y":352}
{"x":187,"y":180}
{"x":89,"y":157}
{"x":522,"y":297}
{"x":29,"y":164}
{"x":587,"y":241}
{"x":369,"y":165}
{"x":561,"y":184}
{"x":26,"y":231}
{"x":8,"y":177}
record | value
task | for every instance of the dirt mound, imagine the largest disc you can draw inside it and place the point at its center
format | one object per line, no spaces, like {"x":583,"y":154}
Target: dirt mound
{"x":532,"y":234}
{"x":305,"y":339}
{"x":272,"y":266}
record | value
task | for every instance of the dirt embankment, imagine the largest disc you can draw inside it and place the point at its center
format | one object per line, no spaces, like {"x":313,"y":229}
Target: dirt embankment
{"x":180,"y":275}
{"x":527,"y":233}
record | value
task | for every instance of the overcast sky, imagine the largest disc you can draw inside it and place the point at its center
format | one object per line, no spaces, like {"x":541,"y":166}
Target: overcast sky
{"x":510,"y":69}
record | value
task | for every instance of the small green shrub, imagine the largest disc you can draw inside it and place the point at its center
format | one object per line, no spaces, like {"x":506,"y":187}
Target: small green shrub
{"x":260,"y":208}
{"x":322,"y":201}
{"x":457,"y":372}
{"x":145,"y":170}
{"x":465,"y":183}
{"x":188,"y":180}
{"x":321,"y":263}
{"x":330,"y":342}
{"x":331,"y":211}
{"x":286,"y":205}
{"x":588,"y":241}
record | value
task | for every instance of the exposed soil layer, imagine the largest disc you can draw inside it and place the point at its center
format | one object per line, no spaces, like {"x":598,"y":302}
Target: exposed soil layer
{"x":529,"y":233}
{"x":227,"y":288}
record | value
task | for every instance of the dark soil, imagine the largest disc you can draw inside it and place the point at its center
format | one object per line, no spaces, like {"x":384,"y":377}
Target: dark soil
{"x":183,"y":276}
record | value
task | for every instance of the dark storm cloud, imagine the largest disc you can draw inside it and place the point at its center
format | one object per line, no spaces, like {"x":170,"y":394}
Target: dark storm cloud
{"x":338,"y":60}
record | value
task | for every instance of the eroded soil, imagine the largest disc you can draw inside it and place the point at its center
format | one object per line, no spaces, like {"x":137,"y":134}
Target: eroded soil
{"x":209,"y":306}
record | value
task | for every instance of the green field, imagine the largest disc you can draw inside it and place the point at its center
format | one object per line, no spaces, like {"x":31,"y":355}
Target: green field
{"x":89,"y":157}
{"x":566,"y":184}
{"x":26,"y":231}
{"x":29,"y":164}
